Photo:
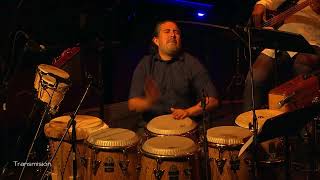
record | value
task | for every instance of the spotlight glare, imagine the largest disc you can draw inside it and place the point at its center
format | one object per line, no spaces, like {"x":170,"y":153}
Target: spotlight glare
{"x":200,"y":14}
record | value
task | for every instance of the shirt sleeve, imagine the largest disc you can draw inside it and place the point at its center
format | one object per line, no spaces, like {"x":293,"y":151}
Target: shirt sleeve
{"x":271,"y":4}
{"x":137,"y":82}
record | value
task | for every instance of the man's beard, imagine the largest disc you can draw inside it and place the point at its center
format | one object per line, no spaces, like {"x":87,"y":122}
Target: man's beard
{"x":173,"y":51}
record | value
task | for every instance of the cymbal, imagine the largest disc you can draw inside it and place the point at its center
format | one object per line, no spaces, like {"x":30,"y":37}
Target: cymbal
{"x":263,"y":115}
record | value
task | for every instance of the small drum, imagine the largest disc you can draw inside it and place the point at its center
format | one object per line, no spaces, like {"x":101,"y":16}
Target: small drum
{"x":112,"y":154}
{"x":168,"y":126}
{"x":62,"y":163}
{"x":169,"y":157}
{"x":244,"y":119}
{"x":224,"y":145}
{"x":51,"y":84}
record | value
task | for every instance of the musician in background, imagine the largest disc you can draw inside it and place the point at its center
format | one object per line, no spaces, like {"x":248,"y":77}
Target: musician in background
{"x":170,"y":81}
{"x":305,"y":22}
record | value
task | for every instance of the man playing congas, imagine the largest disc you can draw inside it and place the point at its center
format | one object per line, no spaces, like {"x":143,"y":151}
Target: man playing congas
{"x":170,"y":81}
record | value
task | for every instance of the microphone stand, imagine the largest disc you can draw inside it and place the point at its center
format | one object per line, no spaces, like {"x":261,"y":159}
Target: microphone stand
{"x":72,"y":122}
{"x":254,"y":126}
{"x":204,"y":134}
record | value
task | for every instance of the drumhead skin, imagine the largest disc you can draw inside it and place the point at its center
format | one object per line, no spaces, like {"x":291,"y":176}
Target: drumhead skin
{"x":85,"y":125}
{"x":167,"y":125}
{"x":45,"y":68}
{"x":263,"y":115}
{"x":113,"y":138}
{"x":227,"y":135}
{"x":171,"y":146}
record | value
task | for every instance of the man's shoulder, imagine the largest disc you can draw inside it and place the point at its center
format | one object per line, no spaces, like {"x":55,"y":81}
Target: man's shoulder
{"x":190,"y":59}
{"x":146,"y":58}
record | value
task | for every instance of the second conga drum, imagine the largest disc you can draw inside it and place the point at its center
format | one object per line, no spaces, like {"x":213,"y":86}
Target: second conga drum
{"x":62,"y":162}
{"x":224,"y":145}
{"x":169,"y":157}
{"x":112,"y":154}
{"x":166,"y":125}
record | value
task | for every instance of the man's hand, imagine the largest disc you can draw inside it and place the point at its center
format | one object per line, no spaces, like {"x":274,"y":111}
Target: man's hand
{"x":257,"y":14}
{"x":179,"y":113}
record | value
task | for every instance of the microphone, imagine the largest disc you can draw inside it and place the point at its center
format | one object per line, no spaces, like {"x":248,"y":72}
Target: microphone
{"x":286,"y":100}
{"x":32,"y":45}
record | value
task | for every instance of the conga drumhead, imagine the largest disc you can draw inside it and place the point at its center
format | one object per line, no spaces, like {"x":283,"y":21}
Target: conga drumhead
{"x":113,"y":138}
{"x":263,"y":115}
{"x":169,"y":146}
{"x":167,"y":125}
{"x":84,"y":124}
{"x":227,"y":135}
{"x":45,"y":68}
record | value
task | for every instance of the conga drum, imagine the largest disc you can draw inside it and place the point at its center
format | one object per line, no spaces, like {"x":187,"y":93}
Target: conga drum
{"x":169,"y":157}
{"x":112,"y":154}
{"x":166,"y":125}
{"x":62,"y":162}
{"x":224,"y":145}
{"x":51,"y":84}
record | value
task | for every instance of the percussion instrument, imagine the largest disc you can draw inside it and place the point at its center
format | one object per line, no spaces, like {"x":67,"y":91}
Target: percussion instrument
{"x":224,"y":143}
{"x":294,"y":94}
{"x":166,"y":125}
{"x":51,"y":84}
{"x":263,"y":115}
{"x":62,"y":163}
{"x":169,"y":157}
{"x":112,"y":154}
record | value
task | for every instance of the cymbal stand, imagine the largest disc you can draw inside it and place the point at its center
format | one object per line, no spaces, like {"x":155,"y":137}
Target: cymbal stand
{"x":72,"y":122}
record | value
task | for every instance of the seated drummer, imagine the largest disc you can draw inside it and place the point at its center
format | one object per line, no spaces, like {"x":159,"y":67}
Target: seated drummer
{"x":170,"y":81}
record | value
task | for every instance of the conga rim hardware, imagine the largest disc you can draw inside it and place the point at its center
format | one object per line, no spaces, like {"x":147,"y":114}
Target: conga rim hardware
{"x":226,"y":146}
{"x":164,"y":157}
{"x":129,"y":148}
{"x":148,"y":132}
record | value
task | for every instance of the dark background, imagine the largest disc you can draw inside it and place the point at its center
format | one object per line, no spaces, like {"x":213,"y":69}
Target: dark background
{"x":114,"y":34}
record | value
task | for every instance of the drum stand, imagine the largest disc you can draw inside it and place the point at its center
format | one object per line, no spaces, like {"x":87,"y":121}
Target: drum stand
{"x":44,"y":115}
{"x":204,"y":136}
{"x":72,"y":122}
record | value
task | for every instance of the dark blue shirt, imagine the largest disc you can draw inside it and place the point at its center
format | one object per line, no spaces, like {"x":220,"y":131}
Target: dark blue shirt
{"x":181,"y":81}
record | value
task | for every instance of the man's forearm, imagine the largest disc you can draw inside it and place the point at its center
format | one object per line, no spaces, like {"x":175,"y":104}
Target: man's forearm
{"x":139,"y":104}
{"x":195,"y":110}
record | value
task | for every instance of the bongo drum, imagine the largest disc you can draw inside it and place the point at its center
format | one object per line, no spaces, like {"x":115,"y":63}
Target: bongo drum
{"x":112,"y":154}
{"x":169,"y":157}
{"x":224,"y":145}
{"x":51,"y":84}
{"x":166,"y":125}
{"x":62,"y":163}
